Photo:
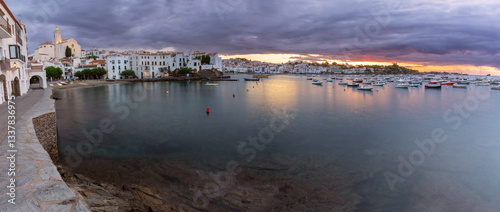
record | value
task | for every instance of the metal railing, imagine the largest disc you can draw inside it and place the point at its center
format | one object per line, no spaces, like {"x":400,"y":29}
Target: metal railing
{"x":5,"y":25}
{"x":5,"y":64}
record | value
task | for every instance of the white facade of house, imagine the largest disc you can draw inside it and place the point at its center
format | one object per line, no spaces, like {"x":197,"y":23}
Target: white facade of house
{"x":14,"y":70}
{"x":116,"y":63}
{"x":153,"y":65}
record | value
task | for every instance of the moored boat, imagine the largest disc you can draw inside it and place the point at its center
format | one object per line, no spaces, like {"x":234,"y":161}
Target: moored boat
{"x":378,"y":83}
{"x":317,"y":83}
{"x":402,"y":85}
{"x":433,"y":85}
{"x":353,"y":84}
{"x":447,"y":83}
{"x":495,"y":88}
{"x":358,"y":80}
{"x":482,"y":84}
{"x":365,"y":88}
{"x":342,"y":83}
{"x":211,"y":84}
{"x":252,"y":79}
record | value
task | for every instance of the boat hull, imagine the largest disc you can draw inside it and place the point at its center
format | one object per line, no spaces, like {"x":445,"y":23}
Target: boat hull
{"x":252,"y":79}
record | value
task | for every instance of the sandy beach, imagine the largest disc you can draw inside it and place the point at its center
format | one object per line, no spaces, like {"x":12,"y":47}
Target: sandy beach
{"x":86,"y":83}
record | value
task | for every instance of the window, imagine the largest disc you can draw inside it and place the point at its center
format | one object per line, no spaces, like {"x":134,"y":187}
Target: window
{"x":19,"y":31}
{"x":113,"y":68}
{"x":15,"y":52}
{"x":119,"y":61}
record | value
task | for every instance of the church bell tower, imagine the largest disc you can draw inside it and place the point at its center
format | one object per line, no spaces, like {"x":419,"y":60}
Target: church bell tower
{"x":57,"y":36}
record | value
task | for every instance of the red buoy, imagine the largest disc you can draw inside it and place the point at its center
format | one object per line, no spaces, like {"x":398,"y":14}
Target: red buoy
{"x":208,"y":110}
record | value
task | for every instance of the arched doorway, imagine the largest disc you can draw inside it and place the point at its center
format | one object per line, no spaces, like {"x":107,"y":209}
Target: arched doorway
{"x":16,"y":87}
{"x":3,"y":87}
{"x":36,"y":82}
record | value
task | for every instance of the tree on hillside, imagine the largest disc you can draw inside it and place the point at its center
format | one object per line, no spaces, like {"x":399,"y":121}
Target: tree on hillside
{"x":53,"y":73}
{"x":68,"y":51}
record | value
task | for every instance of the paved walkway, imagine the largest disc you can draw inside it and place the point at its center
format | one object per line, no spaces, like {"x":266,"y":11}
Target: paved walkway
{"x":23,"y":103}
{"x":39,"y":186}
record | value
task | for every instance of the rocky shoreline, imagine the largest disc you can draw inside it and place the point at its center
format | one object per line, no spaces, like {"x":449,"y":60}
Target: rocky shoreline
{"x":145,"y":185}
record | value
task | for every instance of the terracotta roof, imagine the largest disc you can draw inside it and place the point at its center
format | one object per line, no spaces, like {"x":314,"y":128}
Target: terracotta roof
{"x":99,"y":61}
{"x":46,"y":43}
{"x":212,"y":53}
{"x":89,"y":65}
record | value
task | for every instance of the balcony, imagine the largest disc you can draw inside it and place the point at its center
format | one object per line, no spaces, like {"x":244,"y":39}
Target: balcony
{"x":5,"y":64}
{"x":5,"y":29}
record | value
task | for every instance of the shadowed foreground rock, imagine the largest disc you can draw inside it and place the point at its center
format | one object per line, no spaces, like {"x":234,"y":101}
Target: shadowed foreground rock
{"x":131,"y":185}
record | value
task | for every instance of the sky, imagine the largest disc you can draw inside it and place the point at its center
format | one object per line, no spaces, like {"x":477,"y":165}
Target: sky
{"x":446,"y":35}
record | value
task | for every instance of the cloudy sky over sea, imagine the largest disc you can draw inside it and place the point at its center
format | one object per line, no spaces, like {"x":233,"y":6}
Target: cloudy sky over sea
{"x":461,"y":35}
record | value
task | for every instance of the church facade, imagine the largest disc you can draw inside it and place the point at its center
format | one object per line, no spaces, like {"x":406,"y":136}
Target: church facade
{"x":57,"y":48}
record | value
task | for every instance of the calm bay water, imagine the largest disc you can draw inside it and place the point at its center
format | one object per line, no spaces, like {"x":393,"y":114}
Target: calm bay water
{"x":333,"y":131}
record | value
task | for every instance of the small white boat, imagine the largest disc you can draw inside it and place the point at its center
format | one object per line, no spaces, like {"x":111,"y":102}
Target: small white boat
{"x":343,"y":83}
{"x":317,"y":83}
{"x":402,"y":85}
{"x":353,"y":84}
{"x":482,"y":84}
{"x":460,"y":86}
{"x":379,"y":83}
{"x":495,"y":88}
{"x":366,"y":83}
{"x":365,"y":88}
{"x":329,"y":80}
{"x":211,"y":84}
{"x":414,"y":85}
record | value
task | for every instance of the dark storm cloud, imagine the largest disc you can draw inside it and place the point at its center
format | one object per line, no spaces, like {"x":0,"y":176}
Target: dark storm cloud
{"x":444,"y":32}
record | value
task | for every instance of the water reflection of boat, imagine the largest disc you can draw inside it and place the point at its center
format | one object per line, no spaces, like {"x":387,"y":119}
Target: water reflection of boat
{"x":211,"y":84}
{"x":252,"y":79}
{"x":317,"y":83}
{"x":459,"y":86}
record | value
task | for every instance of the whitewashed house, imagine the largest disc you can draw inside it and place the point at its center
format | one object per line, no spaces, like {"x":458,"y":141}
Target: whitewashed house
{"x":14,"y":70}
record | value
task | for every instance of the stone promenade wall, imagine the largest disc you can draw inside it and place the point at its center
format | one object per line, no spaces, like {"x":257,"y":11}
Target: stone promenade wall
{"x":39,"y":186}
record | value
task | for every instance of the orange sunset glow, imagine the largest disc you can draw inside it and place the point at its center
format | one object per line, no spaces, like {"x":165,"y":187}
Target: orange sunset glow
{"x":283,"y":58}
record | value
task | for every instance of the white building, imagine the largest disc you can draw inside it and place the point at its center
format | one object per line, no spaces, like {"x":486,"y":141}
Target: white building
{"x":14,"y":70}
{"x":57,"y":48}
{"x":116,"y":63}
{"x":154,"y":65}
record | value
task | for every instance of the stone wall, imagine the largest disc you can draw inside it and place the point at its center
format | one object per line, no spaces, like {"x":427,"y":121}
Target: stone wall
{"x":46,"y":131}
{"x":38,"y":184}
